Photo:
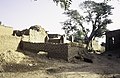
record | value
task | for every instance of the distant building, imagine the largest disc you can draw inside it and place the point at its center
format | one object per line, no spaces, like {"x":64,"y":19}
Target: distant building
{"x":55,"y":38}
{"x":113,"y":40}
{"x":21,"y":33}
{"x":35,"y":34}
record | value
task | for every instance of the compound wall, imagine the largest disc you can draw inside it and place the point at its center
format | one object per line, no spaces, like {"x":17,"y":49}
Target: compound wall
{"x":4,"y":30}
{"x":9,"y":42}
{"x":33,"y":47}
{"x":58,"y":51}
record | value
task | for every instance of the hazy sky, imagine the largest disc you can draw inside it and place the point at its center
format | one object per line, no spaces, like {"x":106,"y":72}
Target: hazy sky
{"x":21,"y":14}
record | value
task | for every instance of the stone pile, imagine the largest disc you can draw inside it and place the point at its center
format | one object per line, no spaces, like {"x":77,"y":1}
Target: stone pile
{"x":11,"y":56}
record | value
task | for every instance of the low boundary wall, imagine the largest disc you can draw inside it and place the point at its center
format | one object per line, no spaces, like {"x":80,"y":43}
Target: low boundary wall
{"x":9,"y":42}
{"x":58,"y":51}
{"x":32,"y":47}
{"x":4,"y":30}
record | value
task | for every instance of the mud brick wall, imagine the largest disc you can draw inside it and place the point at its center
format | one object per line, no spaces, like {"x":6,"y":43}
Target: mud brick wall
{"x":4,"y":30}
{"x":58,"y":51}
{"x":32,"y":47}
{"x":9,"y":42}
{"x":72,"y":51}
{"x":63,"y":51}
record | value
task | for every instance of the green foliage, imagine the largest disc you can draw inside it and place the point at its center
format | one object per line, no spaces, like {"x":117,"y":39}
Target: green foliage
{"x":75,"y":21}
{"x":78,"y":36}
{"x":66,"y":3}
{"x":95,"y":14}
{"x":69,"y":26}
{"x":63,"y":3}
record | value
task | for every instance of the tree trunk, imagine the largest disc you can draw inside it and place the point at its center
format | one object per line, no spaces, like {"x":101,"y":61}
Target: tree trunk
{"x":89,"y":40}
{"x":88,"y":45}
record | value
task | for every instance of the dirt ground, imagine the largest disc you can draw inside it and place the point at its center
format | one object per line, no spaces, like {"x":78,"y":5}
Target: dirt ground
{"x":31,"y":65}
